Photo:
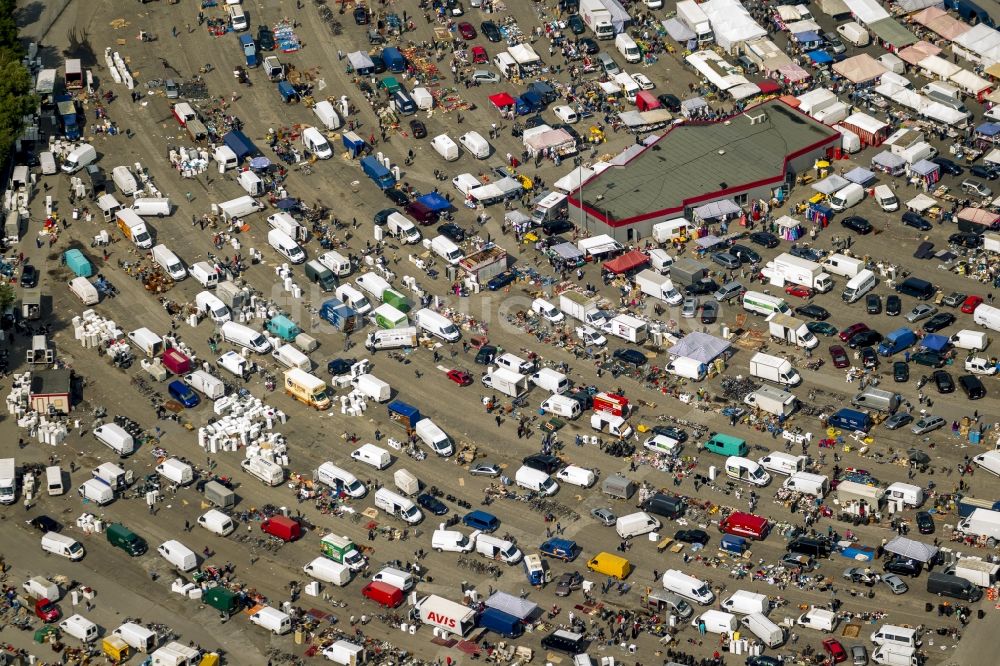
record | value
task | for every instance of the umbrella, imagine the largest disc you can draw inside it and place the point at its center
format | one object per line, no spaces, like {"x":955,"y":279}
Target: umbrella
{"x":259,"y":163}
{"x":287,"y":203}
{"x":919,"y":457}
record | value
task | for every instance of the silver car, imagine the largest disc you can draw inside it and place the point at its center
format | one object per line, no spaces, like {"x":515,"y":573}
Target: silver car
{"x":605,"y":516}
{"x":973,"y":186}
{"x":895,"y":583}
{"x":927,"y":424}
{"x":690,"y":308}
{"x":485,"y":76}
{"x":921,"y":311}
{"x":898,"y":420}
{"x":859,"y":655}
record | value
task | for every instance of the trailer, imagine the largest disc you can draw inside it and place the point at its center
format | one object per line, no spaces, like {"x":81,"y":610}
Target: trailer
{"x":627,"y":328}
{"x":976,"y":571}
{"x":448,"y":615}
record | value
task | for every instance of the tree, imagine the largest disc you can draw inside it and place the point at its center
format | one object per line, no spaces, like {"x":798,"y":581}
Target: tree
{"x":7,"y":296}
{"x":17,"y":97}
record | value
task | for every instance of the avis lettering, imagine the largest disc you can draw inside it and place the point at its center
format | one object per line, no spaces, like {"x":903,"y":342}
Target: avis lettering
{"x":439,"y":619}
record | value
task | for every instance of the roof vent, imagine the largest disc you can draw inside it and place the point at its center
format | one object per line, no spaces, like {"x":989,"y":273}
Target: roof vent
{"x":757,"y":118}
{"x":722,"y":151}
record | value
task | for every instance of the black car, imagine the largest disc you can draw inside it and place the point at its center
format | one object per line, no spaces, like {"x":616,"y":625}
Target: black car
{"x":709,"y":312}
{"x":857,"y":224}
{"x":893,"y":305}
{"x":378,"y":63}
{"x":744,"y":254}
{"x":816,"y":548}
{"x":865,"y":339}
{"x":418,"y":129}
{"x":397,"y":196}
{"x":943,"y":381}
{"x":29,"y":276}
{"x":588,"y":46}
{"x":966,"y":239}
{"x":490,"y":29}
{"x":701,"y":288}
{"x":873,"y":304}
{"x":900,"y":371}
{"x":45,"y":524}
{"x":903,"y":566}
{"x":671,"y":432}
{"x":763,"y":660}
{"x":869,"y":359}
{"x":361,"y":15}
{"x":917,"y":221}
{"x":948,"y":167}
{"x":339,"y":366}
{"x":534,"y":121}
{"x":576,"y":24}
{"x":938,"y":321}
{"x":765,"y":239}
{"x":669,"y":102}
{"x":806,"y":253}
{"x":381,"y":217}
{"x":630,"y":356}
{"x":432,"y":504}
{"x":813,"y":311}
{"x":553,"y":227}
{"x":501,"y":280}
{"x":929,"y":358}
{"x":692,"y":536}
{"x":925,"y":522}
{"x":452,"y":231}
{"x":984,"y":172}
{"x":543,"y":463}
{"x":486,"y":354}
{"x":265,"y":38}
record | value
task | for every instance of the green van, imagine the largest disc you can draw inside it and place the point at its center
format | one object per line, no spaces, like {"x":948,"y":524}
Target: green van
{"x":726,"y":445}
{"x":122,"y":537}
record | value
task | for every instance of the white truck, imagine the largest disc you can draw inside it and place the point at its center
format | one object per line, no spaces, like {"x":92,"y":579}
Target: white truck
{"x":696,"y":20}
{"x":582,"y":307}
{"x":975,"y":570}
{"x":506,"y":381}
{"x":791,"y":330}
{"x":841,"y":264}
{"x":8,"y":481}
{"x":982,"y":523}
{"x":772,"y":400}
{"x":626,"y":327}
{"x":789,"y":269}
{"x":590,"y":336}
{"x":658,"y":286}
{"x":774,"y":369}
{"x":598,"y":18}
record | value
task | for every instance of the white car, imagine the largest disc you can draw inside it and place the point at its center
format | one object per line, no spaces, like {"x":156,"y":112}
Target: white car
{"x":590,"y":336}
{"x":566,"y":114}
{"x":690,"y":308}
{"x":485,"y":76}
{"x":643,"y":81}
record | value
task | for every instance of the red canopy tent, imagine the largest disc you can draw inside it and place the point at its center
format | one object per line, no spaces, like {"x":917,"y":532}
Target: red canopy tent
{"x":768,"y":87}
{"x":502,"y":101}
{"x":627,"y":262}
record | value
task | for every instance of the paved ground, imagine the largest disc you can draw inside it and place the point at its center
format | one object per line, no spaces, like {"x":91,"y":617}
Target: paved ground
{"x":125,"y":587}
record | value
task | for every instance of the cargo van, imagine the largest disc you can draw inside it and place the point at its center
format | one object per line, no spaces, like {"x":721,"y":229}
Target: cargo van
{"x":316,"y":144}
{"x":551,"y":380}
{"x":372,"y":455}
{"x":268,"y":472}
{"x":847,"y":197}
{"x":746,"y":470}
{"x":577,"y":476}
{"x":63,"y":546}
{"x":760,"y":626}
{"x":396,"y":505}
{"x":716,"y":622}
{"x":205,"y":275}
{"x":289,"y":356}
{"x":437,"y":325}
{"x":209,"y":304}
{"x":819,"y":619}
{"x":327,"y":115}
{"x":319,"y":274}
{"x":917,"y":288}
{"x":244,"y":336}
{"x":79,"y":628}
{"x":445,"y":147}
{"x":627,"y":47}
{"x":340,"y":479}
{"x":535,"y":480}
{"x":285,"y":246}
{"x":169,"y":262}
{"x":176,"y":471}
{"x":948,"y":585}
{"x":726,"y":445}
{"x":339,"y":265}
{"x":237,"y":18}
{"x":96,"y":491}
{"x":745,"y":603}
{"x":878,"y":400}
{"x":122,"y":537}
{"x":433,"y":437}
{"x":475,"y":144}
{"x":396,"y":577}
{"x":816,"y":485}
{"x":886,"y":199}
{"x":687,"y":586}
{"x":452,"y":541}
{"x":859,"y":285}
{"x":353,"y":298}
{"x":764,"y":304}
{"x":178,"y":555}
{"x":383,"y":594}
{"x":239,"y":207}
{"x":891,"y":634}
{"x":217,"y":522}
{"x":496,"y":548}
{"x":116,"y":438}
{"x":152,"y":206}
{"x":610,"y":565}
{"x":273,"y":620}
{"x":282,"y":527}
{"x":79,"y":157}
{"x":137,"y":636}
{"x":636,"y":524}
{"x":563,"y":406}
{"x":779,"y":462}
{"x":328,"y":571}
{"x":888,"y":655}
{"x":446,"y":249}
{"x":54,"y":480}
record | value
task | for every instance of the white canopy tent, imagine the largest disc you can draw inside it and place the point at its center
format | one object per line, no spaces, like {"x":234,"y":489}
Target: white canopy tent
{"x":731,"y":23}
{"x":867,"y":11}
{"x":970,"y":82}
{"x":574,"y":179}
{"x":936,"y":67}
{"x":980,"y":43}
{"x":945,"y":114}
{"x":921,"y":202}
{"x":714,"y":69}
{"x":523,"y":54}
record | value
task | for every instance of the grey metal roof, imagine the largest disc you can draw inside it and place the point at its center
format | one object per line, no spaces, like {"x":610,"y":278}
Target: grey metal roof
{"x":693,"y":160}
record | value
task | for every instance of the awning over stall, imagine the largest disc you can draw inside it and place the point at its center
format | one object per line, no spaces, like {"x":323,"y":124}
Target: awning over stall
{"x":716,"y":209}
{"x":699,"y":346}
{"x":912,"y":549}
{"x":627,"y":263}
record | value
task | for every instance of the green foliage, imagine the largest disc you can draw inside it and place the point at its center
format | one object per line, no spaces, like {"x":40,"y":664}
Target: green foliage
{"x":16,"y":85}
{"x":7,"y":296}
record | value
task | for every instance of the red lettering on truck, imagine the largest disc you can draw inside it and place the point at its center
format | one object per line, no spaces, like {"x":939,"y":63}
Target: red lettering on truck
{"x":442,"y":620}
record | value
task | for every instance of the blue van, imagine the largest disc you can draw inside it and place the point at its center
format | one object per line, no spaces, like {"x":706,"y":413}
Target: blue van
{"x":500,"y":622}
{"x":850,"y":419}
{"x":403,"y":103}
{"x":897,"y":341}
{"x":394,"y":60}
{"x":482,"y":521}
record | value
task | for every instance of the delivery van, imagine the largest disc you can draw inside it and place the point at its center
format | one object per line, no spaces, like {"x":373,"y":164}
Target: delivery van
{"x":337,"y":263}
{"x":848,"y":196}
{"x":273,"y":620}
{"x":340,"y":479}
{"x":859,"y":285}
{"x":892,"y":634}
{"x":79,"y":157}
{"x":284,"y":528}
{"x":767,"y":631}
{"x":116,"y":438}
{"x":779,"y":462}
{"x":211,"y":305}
{"x":446,"y":249}
{"x":396,"y":505}
{"x":328,"y":571}
{"x":433,"y":437}
{"x":475,"y":144}
{"x":687,"y":586}
{"x":244,"y":336}
{"x":79,"y":628}
{"x":285,"y":246}
{"x":152,"y":206}
{"x":745,"y":602}
{"x":726,"y":445}
{"x":372,"y":455}
{"x":217,"y":522}
{"x":746,"y":470}
{"x":267,"y":471}
{"x":169,"y":262}
{"x":63,"y":546}
{"x":437,"y":325}
{"x":886,"y":198}
{"x":535,"y":480}
{"x":496,"y":548}
{"x":816,"y":485}
{"x":453,"y":541}
{"x":178,"y":555}
{"x":613,"y":566}
{"x":122,"y":537}
{"x":383,"y":594}
{"x":137,"y":636}
{"x":636,"y":524}
{"x":205,"y":274}
{"x":716,"y":622}
{"x":289,"y":356}
{"x":396,"y":577}
{"x":54,"y":480}
{"x":562,"y":405}
{"x":577,"y":476}
{"x":316,"y":144}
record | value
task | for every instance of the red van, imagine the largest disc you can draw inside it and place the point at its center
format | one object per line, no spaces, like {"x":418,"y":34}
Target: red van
{"x":285,"y":529}
{"x":421,"y":213}
{"x":383,"y":594}
{"x":745,"y":525}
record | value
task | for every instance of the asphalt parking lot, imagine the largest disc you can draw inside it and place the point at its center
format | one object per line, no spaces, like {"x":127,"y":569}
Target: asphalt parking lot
{"x":140,"y":587}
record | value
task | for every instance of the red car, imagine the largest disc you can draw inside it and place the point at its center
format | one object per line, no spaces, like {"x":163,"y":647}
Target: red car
{"x":466,"y":30}
{"x":479,"y":56}
{"x":852,"y":330}
{"x":836,"y":651}
{"x":460,"y":377}
{"x":839,"y":356}
{"x":799,"y":290}
{"x":47,"y":611}
{"x":971,"y":303}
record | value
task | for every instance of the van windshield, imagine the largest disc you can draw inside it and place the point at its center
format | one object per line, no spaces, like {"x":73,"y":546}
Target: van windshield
{"x":259,"y":342}
{"x":355,"y":487}
{"x":702,"y":592}
{"x":411,"y":513}
{"x":76,"y":548}
{"x":757,"y":473}
{"x":510,"y":553}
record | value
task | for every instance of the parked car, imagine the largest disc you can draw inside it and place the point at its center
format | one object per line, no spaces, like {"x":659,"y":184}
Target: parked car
{"x":873,"y":304}
{"x":943,"y":381}
{"x":418,"y":129}
{"x":553,"y":227}
{"x":765,"y":239}
{"x":927,"y":424}
{"x":630,"y":356}
{"x":265,"y":38}
{"x":893,"y":305}
{"x":432,"y":504}
{"x":701,"y":287}
{"x":44,"y":523}
{"x":485,"y":469}
{"x":983,"y":171}
{"x":29,"y":276}
{"x":852,"y":330}
{"x":901,"y":371}
{"x":925,"y":522}
{"x":670,"y":431}
{"x":460,"y":377}
{"x":898,"y":420}
{"x":869,"y":359}
{"x":834,"y":648}
{"x":976,"y":187}
{"x":466,"y":30}
{"x":183,"y":393}
{"x":929,"y":358}
{"x":921,"y":311}
{"x":709,"y":311}
{"x":576,"y":24}
{"x":670,"y":102}
{"x":839,"y":356}
{"x":452,"y":231}
{"x":799,"y":290}
{"x":588,"y":45}
{"x":397,"y":196}
{"x":361,"y":15}
{"x":485,"y":76}
{"x":939,"y":321}
{"x":864,"y":339}
{"x":821,"y":328}
{"x":857,"y":224}
{"x":726,"y":260}
{"x":692,"y":536}
{"x":947,"y":166}
{"x":966,"y":239}
{"x":896,"y":584}
{"x":500,"y":281}
{"x":917,"y":221}
{"x":813,"y":311}
{"x":690,"y":307}
{"x":744,"y":254}
{"x":971,"y":303}
{"x":491,"y":31}
{"x":605,"y":516}
{"x":904,"y":566}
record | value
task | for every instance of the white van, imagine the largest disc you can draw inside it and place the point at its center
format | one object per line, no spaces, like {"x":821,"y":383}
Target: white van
{"x":169,"y":262}
{"x":550,"y":380}
{"x":217,"y":522}
{"x":178,"y":555}
{"x":453,"y":541}
{"x":436,"y":439}
{"x":54,"y":480}
{"x":79,"y":157}
{"x":79,"y":628}
{"x":176,"y":471}
{"x":85,"y":290}
{"x":395,"y":504}
{"x":285,"y":246}
{"x":636,"y":524}
{"x":745,"y":602}
{"x":124,"y":179}
{"x":244,"y":336}
{"x":536,"y":480}
{"x":848,"y":196}
{"x":209,"y":304}
{"x":549,"y":312}
{"x":139,"y":637}
{"x":63,"y":546}
{"x":273,"y":620}
{"x":316,"y":144}
{"x":152,"y":206}
{"x":372,"y":455}
{"x":514,"y":363}
{"x":892,"y":634}
{"x":116,"y":438}
{"x":206,"y":384}
{"x":779,"y":462}
{"x":237,"y":18}
{"x":337,"y":477}
{"x":445,"y":147}
{"x":663,"y":444}
{"x":437,"y":325}
{"x":395,"y":577}
{"x":446,"y":249}
{"x":687,"y":586}
{"x":890,"y":655}
{"x":627,"y":47}
{"x":507,"y":65}
{"x":475,"y":144}
{"x":338,"y":264}
{"x":205,"y":275}
{"x":563,"y":406}
{"x":627,"y":86}
{"x":886,"y":199}
{"x":289,"y":356}
{"x":328,"y":571}
{"x":716,"y":622}
{"x":764,"y":304}
{"x":47,"y":162}
{"x":353,"y":298}
{"x":496,"y":548}
{"x":858,"y":286}
{"x":746,"y":470}
{"x":577,"y":476}
{"x":239,"y":207}
{"x":327,"y":115}
{"x":768,"y":632}
{"x":96,"y":491}
{"x":816,"y":485}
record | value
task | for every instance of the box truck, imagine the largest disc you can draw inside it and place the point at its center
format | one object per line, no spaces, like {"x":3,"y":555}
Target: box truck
{"x":791,"y":330}
{"x":841,"y":264}
{"x":787,"y":268}
{"x":774,"y":369}
{"x":772,"y":400}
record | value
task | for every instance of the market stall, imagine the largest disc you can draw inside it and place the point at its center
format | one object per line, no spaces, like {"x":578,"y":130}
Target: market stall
{"x":889,"y":163}
{"x":861,"y":176}
{"x":925,"y":173}
{"x":360,"y":63}
{"x":978,"y":220}
{"x":871,"y":131}
{"x":788,"y":228}
{"x":732,"y":24}
{"x":830,"y":184}
{"x":914,"y":53}
{"x":921,"y":203}
{"x":627,"y":263}
{"x":860,"y":69}
{"x":716,"y":210}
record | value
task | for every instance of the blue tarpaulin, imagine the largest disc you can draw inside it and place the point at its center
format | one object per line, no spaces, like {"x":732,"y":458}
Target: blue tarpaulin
{"x":988,"y":129}
{"x":434,"y":201}
{"x":820,"y":57}
{"x":807,"y":36}
{"x":935,"y":342}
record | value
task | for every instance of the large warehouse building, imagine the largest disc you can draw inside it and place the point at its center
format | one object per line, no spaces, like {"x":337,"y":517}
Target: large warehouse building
{"x":745,"y":157}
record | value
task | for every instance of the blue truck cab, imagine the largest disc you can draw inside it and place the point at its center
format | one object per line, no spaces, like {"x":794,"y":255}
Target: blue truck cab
{"x":377,"y":172}
{"x":850,"y":419}
{"x":897,"y":341}
{"x":249,"y":50}
{"x":340,"y":315}
{"x":393,"y":59}
{"x":530,"y":101}
{"x":563,"y":549}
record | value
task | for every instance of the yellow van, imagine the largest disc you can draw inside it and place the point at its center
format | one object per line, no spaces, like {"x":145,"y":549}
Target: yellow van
{"x":610,"y":565}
